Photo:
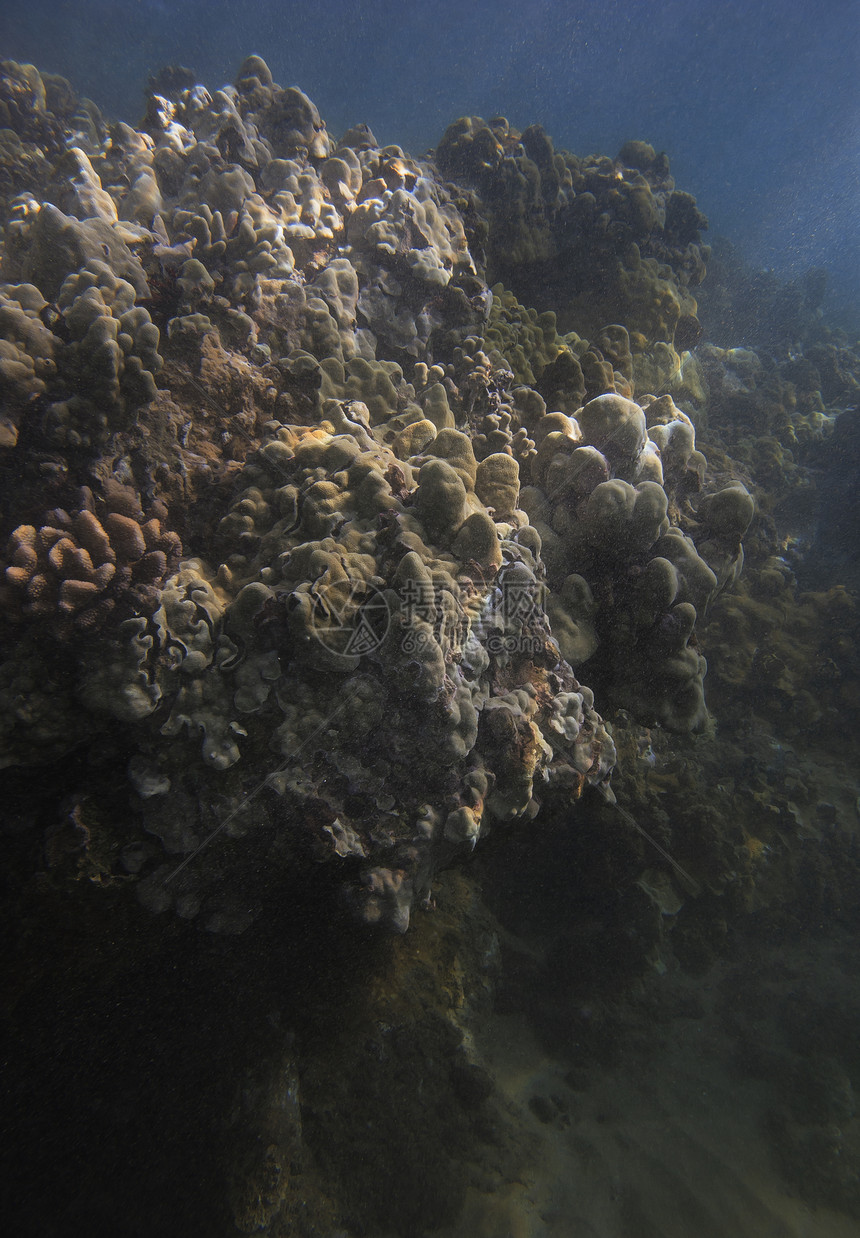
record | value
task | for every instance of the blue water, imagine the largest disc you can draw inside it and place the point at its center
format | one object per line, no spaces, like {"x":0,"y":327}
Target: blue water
{"x":757,"y":104}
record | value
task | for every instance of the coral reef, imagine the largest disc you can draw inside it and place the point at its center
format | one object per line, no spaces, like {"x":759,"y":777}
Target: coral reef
{"x":419,"y":514}
{"x":360,"y":509}
{"x":367,"y":568}
{"x":414,"y":512}
{"x":355,"y":620}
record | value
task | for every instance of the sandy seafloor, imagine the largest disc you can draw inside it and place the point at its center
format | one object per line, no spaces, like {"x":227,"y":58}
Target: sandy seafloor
{"x":667,"y":1141}
{"x":586,"y":1030}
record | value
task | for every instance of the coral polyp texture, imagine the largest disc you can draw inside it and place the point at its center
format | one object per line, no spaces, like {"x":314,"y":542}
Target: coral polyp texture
{"x":349,"y":491}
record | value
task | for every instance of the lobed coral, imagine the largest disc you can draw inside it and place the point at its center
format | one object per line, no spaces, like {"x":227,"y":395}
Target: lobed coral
{"x":27,"y":350}
{"x":77,"y":568}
